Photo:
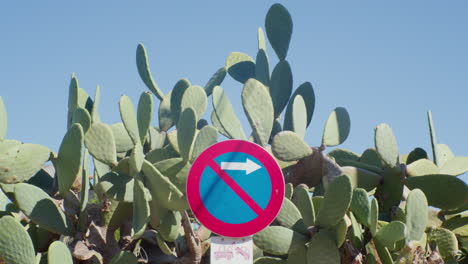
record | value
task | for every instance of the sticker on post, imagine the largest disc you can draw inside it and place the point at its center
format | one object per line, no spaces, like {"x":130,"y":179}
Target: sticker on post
{"x":226,"y":250}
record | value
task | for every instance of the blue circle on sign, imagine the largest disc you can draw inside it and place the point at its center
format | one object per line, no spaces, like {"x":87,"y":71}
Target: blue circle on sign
{"x":219,"y":198}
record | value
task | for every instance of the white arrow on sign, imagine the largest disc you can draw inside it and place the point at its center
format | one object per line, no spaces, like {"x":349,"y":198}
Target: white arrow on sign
{"x":248,"y":166}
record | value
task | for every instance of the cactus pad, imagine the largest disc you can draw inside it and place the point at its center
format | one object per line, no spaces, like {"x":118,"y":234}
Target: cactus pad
{"x":100,"y":142}
{"x":386,"y":145}
{"x":19,"y":162}
{"x":279,"y":26}
{"x":16,"y":246}
{"x":59,"y":253}
{"x":70,"y":158}
{"x":259,"y":110}
{"x":337,"y":127}
{"x":240,"y":66}
{"x":288,"y":146}
{"x":145,"y":72}
{"x":41,"y":209}
{"x":335,"y":203}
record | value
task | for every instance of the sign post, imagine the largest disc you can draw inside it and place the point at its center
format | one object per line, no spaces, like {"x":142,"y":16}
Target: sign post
{"x":235,"y":189}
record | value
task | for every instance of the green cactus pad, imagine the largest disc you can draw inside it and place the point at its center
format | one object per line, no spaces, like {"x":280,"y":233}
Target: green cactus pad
{"x":442,"y":191}
{"x":444,"y":154}
{"x":433,"y":137}
{"x":16,"y":246}
{"x":307,"y":92}
{"x":446,"y":242}
{"x":156,"y":155}
{"x":195,"y":98}
{"x":416,"y":215}
{"x":136,"y":160}
{"x":278,"y":240}
{"x":141,"y":210}
{"x":215,"y":80}
{"x":298,"y":255}
{"x":123,"y":142}
{"x":170,"y":226}
{"x":97,"y":100}
{"x":361,"y":178}
{"x":156,"y":139}
{"x":361,"y":206}
{"x":117,"y":186}
{"x":416,"y":154}
{"x":82,"y":117}
{"x":295,"y":118}
{"x":262,"y":67}
{"x":70,"y":158}
{"x":77,"y":98}
{"x":288,"y":190}
{"x":391,"y":233}
{"x":145,"y":113}
{"x":391,"y":192}
{"x":206,"y":137}
{"x":303,"y":202}
{"x":162,"y":189}
{"x":457,"y":224}
{"x":261,"y":39}
{"x":386,"y":145}
{"x":176,"y":169}
{"x":240,"y":66}
{"x":172,"y":138}
{"x":3,"y":119}
{"x":421,"y":167}
{"x":323,"y":250}
{"x":145,"y":72}
{"x":340,"y":154}
{"x":356,"y":232}
{"x":259,"y":110}
{"x":19,"y":162}
{"x":281,"y":86}
{"x":217,"y":124}
{"x":176,"y":98}
{"x":186,"y":128}
{"x":100,"y":142}
{"x":124,"y":257}
{"x":129,"y":118}
{"x":41,"y":209}
{"x":455,"y":166}
{"x":59,"y":253}
{"x":339,"y":231}
{"x":279,"y":26}
{"x":163,"y":245}
{"x":337,"y":127}
{"x":290,"y":217}
{"x":317,"y":202}
{"x":374,"y":216}
{"x":225,"y":114}
{"x":371,"y":157}
{"x":335,"y":203}
{"x":288,"y":146}
{"x":166,"y":119}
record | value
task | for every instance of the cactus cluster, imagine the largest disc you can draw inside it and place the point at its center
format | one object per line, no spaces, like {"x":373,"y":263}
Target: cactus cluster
{"x":115,"y":193}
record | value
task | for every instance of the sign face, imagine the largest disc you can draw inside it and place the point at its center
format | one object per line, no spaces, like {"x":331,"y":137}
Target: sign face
{"x":226,"y":250}
{"x":235,"y":188}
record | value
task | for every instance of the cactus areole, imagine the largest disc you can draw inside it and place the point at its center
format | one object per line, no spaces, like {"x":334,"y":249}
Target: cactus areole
{"x":235,"y":188}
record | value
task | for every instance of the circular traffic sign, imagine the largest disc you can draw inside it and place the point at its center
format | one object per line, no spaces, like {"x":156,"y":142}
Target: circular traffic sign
{"x":235,"y":188}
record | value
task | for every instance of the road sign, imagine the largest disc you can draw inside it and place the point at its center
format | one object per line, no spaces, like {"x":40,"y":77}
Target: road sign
{"x":235,"y":188}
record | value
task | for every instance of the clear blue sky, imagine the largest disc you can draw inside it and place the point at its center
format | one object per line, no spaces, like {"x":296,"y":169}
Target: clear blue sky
{"x":385,"y":61}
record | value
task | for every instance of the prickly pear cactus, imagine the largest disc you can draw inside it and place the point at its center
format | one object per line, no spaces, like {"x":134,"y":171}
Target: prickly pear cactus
{"x":115,"y":193}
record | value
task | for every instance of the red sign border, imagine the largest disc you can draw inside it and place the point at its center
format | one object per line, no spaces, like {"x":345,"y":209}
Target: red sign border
{"x":206,"y":218}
